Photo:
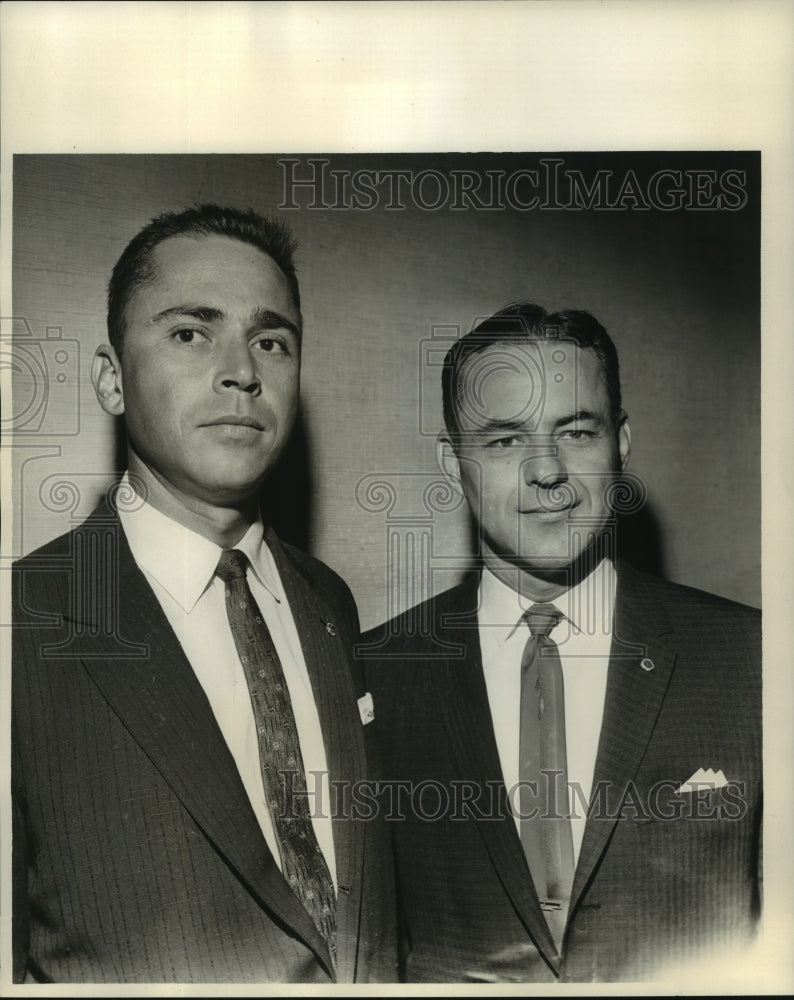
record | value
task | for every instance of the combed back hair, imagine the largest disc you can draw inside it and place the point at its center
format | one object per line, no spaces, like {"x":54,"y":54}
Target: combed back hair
{"x":526,"y":321}
{"x":136,"y":266}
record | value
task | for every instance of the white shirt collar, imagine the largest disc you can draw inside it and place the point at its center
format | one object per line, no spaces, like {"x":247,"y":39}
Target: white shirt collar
{"x":182,"y":561}
{"x":501,"y":607}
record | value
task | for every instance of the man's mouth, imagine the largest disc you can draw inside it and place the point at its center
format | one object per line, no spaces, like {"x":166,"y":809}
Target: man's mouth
{"x":564,"y":508}
{"x":235,"y":420}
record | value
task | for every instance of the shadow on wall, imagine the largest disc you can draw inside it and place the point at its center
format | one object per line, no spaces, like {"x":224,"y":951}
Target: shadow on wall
{"x":639,"y":541}
{"x":287,"y":494}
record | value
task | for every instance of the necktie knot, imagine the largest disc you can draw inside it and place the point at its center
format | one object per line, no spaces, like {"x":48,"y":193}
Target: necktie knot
{"x":232,"y":565}
{"x":541,"y":619}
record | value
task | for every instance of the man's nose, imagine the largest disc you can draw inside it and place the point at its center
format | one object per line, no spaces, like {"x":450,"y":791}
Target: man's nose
{"x":545,"y":467}
{"x":237,"y":370}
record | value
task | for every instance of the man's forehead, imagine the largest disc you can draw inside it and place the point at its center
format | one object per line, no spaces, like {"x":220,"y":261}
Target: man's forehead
{"x":523,"y":382}
{"x":198,"y":252}
{"x":207,"y":270}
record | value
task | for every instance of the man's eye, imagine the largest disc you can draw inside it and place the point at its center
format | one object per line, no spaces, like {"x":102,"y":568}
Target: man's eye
{"x":577,"y":434}
{"x":504,"y":442}
{"x":188,"y":335}
{"x":271,"y":345}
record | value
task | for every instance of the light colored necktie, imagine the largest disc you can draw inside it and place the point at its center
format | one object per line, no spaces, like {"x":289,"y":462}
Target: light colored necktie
{"x":543,"y":770}
{"x":302,"y":861}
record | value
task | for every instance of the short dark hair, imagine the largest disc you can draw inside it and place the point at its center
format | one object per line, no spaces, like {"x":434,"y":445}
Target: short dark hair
{"x":135,"y":266}
{"x":522,"y":321}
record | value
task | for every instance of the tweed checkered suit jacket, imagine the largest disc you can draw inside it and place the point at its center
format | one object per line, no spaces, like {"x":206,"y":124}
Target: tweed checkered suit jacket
{"x":137,"y":855}
{"x":663,"y":875}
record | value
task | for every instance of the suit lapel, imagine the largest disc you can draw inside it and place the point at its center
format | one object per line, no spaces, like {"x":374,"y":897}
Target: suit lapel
{"x":641,"y":662}
{"x":327,"y":653}
{"x":165,"y":709}
{"x":462,"y":686}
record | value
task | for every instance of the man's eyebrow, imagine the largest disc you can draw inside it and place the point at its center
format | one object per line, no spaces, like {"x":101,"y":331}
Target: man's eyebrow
{"x":579,"y":417}
{"x":498,"y":425}
{"x":205,"y":314}
{"x":266,"y":319}
{"x":269,"y":320}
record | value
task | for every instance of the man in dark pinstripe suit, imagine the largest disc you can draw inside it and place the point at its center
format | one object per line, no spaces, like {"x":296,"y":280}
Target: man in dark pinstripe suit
{"x":146,"y":847}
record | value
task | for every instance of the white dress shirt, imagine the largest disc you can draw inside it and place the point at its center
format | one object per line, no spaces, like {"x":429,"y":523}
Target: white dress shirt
{"x":180,"y":564}
{"x":583,"y":637}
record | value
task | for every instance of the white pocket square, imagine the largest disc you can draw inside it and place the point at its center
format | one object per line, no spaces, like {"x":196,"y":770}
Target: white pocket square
{"x":366,"y":708}
{"x":703,"y":779}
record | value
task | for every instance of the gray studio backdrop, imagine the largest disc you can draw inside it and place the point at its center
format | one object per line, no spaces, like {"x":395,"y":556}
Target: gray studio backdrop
{"x":398,"y":255}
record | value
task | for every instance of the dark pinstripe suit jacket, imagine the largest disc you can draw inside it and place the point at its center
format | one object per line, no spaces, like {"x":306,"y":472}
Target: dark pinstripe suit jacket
{"x":137,"y":856}
{"x":661,"y":875}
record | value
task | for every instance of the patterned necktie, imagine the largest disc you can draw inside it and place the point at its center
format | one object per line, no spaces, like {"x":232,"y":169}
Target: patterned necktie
{"x":545,"y":826}
{"x":302,"y":861}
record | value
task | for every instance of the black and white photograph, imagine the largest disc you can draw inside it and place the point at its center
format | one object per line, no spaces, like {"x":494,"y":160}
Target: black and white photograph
{"x":386,"y":558}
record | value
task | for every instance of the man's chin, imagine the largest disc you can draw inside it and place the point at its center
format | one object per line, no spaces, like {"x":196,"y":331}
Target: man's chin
{"x":554,"y":567}
{"x":233,"y":492}
{"x":554,"y":574}
{"x":232,"y":485}
{"x":539,"y":564}
{"x":237,"y":496}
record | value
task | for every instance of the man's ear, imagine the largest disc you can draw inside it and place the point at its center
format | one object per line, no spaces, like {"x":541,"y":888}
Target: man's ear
{"x":106,"y":376}
{"x":624,"y":439}
{"x":448,"y":462}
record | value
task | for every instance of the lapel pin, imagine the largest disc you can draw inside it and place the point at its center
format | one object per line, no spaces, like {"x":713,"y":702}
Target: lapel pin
{"x":646,"y":664}
{"x":330,"y":628}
